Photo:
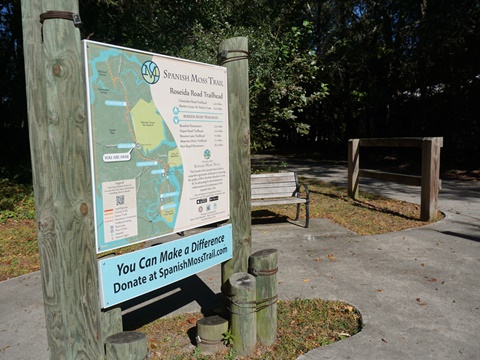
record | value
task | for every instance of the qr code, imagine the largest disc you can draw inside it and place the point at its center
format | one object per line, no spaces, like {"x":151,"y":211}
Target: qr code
{"x":120,"y":200}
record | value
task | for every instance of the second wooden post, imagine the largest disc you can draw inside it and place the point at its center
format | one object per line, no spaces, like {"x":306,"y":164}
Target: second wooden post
{"x":263,"y":265}
{"x":241,"y":294}
{"x":233,"y":54}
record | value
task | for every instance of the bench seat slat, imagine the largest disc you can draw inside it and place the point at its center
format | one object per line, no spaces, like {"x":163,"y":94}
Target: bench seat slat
{"x":264,"y":202}
{"x":273,"y":175}
{"x":267,"y":180}
{"x":280,"y":192}
{"x":274,"y":183}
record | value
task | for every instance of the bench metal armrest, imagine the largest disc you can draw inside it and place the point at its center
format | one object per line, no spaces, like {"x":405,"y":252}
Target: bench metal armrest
{"x":298,"y":191}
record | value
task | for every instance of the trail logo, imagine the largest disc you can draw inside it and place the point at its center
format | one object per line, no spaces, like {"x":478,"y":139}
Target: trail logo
{"x":150,"y":72}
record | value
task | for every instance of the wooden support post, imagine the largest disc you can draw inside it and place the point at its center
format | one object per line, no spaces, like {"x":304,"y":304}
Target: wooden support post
{"x":233,"y":54}
{"x":210,"y":334}
{"x":61,"y":179}
{"x":111,"y":322}
{"x":430,"y":178}
{"x":353,"y":167}
{"x":263,"y":265}
{"x":241,"y":291}
{"x":127,"y":345}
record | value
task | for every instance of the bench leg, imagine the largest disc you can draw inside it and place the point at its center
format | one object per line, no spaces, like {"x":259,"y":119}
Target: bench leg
{"x":307,"y":214}
{"x":298,"y":212}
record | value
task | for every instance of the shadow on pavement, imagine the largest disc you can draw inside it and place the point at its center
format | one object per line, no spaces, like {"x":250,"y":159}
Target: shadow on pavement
{"x":156,"y":304}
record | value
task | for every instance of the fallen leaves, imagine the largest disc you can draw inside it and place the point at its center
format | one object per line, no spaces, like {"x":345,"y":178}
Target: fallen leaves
{"x":342,"y":334}
{"x":420,"y":302}
{"x":331,"y":257}
{"x":303,"y":324}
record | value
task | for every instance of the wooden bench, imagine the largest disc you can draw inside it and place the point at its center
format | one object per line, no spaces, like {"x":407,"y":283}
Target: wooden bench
{"x":279,"y":189}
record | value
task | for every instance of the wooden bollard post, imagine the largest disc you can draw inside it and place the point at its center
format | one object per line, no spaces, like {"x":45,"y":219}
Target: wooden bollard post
{"x":263,"y":265}
{"x":242,"y":306}
{"x":126,"y":345}
{"x":210,"y":334}
{"x":430,"y":178}
{"x":353,"y":167}
{"x":233,"y":54}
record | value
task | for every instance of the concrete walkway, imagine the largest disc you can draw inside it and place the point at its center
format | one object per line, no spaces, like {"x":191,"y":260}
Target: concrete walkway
{"x":417,"y":290}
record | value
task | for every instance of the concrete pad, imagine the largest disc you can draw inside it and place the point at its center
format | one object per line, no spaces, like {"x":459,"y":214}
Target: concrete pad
{"x":22,"y":327}
{"x":417,"y":290}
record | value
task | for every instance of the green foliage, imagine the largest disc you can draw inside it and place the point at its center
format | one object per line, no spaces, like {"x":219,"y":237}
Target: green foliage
{"x":16,"y":201}
{"x":320,"y":72}
{"x":228,"y":338}
{"x":286,"y":88}
{"x":232,"y":355}
{"x":266,"y":168}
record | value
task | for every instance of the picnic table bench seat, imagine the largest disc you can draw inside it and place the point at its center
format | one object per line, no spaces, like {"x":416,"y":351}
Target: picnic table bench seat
{"x":279,"y":189}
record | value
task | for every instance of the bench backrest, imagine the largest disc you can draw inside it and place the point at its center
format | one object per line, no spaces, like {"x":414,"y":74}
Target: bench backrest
{"x":264,"y":186}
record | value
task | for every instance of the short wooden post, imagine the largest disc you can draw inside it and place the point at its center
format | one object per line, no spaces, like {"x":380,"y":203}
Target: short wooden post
{"x":210,"y":334}
{"x":111,"y":322}
{"x":263,"y":265}
{"x":233,"y":54}
{"x":127,"y":345}
{"x":353,"y":167}
{"x":241,"y":296}
{"x":430,"y":177}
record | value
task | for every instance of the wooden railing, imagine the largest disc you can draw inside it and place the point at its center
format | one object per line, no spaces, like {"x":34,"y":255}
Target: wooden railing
{"x":429,"y":179}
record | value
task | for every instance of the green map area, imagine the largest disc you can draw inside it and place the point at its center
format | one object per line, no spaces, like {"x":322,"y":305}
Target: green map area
{"x":137,"y":167}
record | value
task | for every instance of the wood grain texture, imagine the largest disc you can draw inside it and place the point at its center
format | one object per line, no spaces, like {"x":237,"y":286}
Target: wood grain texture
{"x":412,"y":180}
{"x":273,"y":185}
{"x":210,"y":331}
{"x":429,"y":180}
{"x":278,"y":189}
{"x":76,"y":331}
{"x":63,"y":198}
{"x":392,"y":142}
{"x":127,"y":345}
{"x":242,"y":290}
{"x":353,"y":167}
{"x":263,"y":265}
{"x":239,"y":143}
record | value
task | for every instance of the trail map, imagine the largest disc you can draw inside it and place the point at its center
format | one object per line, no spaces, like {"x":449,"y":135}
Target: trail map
{"x":158,"y":142}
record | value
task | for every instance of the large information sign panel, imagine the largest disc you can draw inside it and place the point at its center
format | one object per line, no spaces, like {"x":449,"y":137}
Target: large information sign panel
{"x":158,"y":142}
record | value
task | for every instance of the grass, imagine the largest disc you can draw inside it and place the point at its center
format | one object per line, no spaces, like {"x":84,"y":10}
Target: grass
{"x":16,"y":201}
{"x":18,"y":248}
{"x":18,"y":238}
{"x":302,"y":324}
{"x":370,"y":214}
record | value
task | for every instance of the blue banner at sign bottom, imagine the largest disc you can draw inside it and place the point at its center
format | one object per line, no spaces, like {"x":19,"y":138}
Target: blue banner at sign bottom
{"x":130,"y":275}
